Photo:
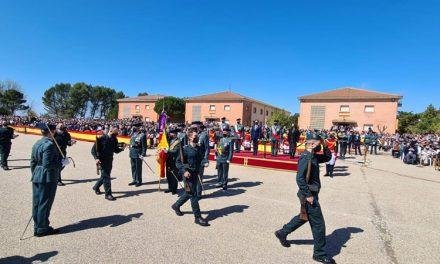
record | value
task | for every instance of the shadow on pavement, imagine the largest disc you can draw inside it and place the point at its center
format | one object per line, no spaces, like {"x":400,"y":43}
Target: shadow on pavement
{"x":126,"y":194}
{"x":335,"y":241}
{"x":41,"y":257}
{"x":217,"y":213}
{"x":71,"y":181}
{"x":19,"y":167}
{"x":99,"y":222}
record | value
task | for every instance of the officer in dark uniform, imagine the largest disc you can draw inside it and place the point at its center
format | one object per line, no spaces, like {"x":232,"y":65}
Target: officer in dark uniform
{"x":103,"y":150}
{"x":6,"y":134}
{"x":256,"y":134}
{"x":293,"y":138}
{"x":172,"y":173}
{"x":225,"y":149}
{"x":275,"y":136}
{"x":63,"y":138}
{"x":239,"y":134}
{"x":343,"y":143}
{"x":189,"y":162}
{"x":45,"y":168}
{"x":138,"y":150}
{"x":204,"y":145}
{"x":308,"y":195}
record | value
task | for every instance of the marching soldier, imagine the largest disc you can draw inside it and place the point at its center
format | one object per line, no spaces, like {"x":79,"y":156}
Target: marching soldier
{"x":45,"y":168}
{"x":103,"y":150}
{"x":225,"y":149}
{"x":6,"y":135}
{"x":204,"y":145}
{"x":223,"y":124}
{"x":239,"y":133}
{"x":189,"y":162}
{"x":172,"y":173}
{"x":138,"y":150}
{"x":63,"y":138}
{"x":309,"y":185}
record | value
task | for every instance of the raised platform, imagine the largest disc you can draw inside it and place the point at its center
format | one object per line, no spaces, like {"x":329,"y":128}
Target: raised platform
{"x":246,"y":158}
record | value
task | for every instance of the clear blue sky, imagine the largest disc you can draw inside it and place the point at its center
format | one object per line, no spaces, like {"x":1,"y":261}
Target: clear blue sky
{"x":271,"y":50}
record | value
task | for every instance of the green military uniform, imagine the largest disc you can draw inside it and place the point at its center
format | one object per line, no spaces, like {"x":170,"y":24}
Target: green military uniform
{"x":192,"y":162}
{"x":138,"y":147}
{"x":45,"y":168}
{"x":6,"y":134}
{"x":172,"y":172}
{"x":103,"y":150}
{"x":225,"y":150}
{"x":314,"y":214}
{"x":204,"y":145}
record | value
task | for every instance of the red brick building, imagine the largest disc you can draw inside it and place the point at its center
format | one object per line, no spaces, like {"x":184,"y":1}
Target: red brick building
{"x":139,"y":106}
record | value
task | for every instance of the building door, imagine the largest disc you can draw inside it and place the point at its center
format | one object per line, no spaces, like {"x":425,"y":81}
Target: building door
{"x":196,"y":113}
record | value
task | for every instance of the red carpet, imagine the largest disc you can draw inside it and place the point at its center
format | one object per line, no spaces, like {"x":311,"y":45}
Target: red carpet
{"x":280,"y":162}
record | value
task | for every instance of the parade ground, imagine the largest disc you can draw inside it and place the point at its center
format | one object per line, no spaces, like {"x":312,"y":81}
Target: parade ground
{"x":386,"y":212}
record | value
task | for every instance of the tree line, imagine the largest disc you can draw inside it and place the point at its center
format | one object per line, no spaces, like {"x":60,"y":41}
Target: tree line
{"x":81,"y":100}
{"x":427,"y":121}
{"x":11,"y":98}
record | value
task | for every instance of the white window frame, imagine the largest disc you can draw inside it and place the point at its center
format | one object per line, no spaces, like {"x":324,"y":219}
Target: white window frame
{"x":344,"y":107}
{"x":227,"y":107}
{"x":212,"y":107}
{"x":371,"y":107}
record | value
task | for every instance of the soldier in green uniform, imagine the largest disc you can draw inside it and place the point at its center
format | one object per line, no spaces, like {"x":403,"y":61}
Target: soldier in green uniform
{"x":309,"y":184}
{"x":138,"y":150}
{"x":6,"y":135}
{"x":103,"y":150}
{"x":239,"y":134}
{"x":172,"y":173}
{"x":45,"y":168}
{"x":225,"y":150}
{"x":204,"y":145}
{"x":189,"y":162}
{"x":63,"y":138}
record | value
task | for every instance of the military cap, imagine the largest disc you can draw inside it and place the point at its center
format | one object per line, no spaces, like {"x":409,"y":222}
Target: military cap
{"x":226,"y":129}
{"x":223,"y":118}
{"x":198,"y":123}
{"x":313,"y":136}
{"x":238,"y":119}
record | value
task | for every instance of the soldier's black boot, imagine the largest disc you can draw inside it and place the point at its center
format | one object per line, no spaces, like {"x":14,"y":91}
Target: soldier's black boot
{"x":131,"y":183}
{"x":176,"y":210}
{"x":109,"y":197}
{"x":327,"y":169}
{"x":282,"y":237}
{"x":324,"y":259}
{"x":97,"y":191}
{"x":201,"y":221}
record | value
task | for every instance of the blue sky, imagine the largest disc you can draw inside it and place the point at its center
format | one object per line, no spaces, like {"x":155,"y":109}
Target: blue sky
{"x":271,"y":50}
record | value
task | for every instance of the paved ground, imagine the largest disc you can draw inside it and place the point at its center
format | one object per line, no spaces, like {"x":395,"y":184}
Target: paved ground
{"x":385,"y":213}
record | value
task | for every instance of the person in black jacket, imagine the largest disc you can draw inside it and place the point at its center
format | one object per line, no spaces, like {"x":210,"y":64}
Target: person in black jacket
{"x":63,"y":139}
{"x":6,"y":135}
{"x":293,"y":138}
{"x":103,"y":150}
{"x":308,"y":195}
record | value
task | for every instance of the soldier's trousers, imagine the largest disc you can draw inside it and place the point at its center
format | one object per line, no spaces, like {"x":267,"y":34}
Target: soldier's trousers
{"x":43,"y":195}
{"x":237,"y":144}
{"x":342,"y":149}
{"x":4,"y":154}
{"x":106,"y":169}
{"x":357,"y":149}
{"x":199,"y":188}
{"x":292,"y":149}
{"x":136,"y":169}
{"x":255,"y":147}
{"x":317,"y":225}
{"x":223,"y":173}
{"x":191,"y":195}
{"x":171,"y":179}
{"x":274,"y":147}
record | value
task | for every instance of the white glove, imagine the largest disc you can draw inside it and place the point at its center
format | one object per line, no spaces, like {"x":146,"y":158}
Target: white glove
{"x":65,"y":162}
{"x":228,"y":161}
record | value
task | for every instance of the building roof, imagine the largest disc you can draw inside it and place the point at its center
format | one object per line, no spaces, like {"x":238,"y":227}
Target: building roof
{"x":226,"y":96}
{"x":143,"y":98}
{"x":349,"y":93}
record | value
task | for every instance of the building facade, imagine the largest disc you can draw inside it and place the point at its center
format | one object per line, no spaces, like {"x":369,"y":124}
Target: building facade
{"x":359,"y":108}
{"x":139,"y":106}
{"x":212,"y":107}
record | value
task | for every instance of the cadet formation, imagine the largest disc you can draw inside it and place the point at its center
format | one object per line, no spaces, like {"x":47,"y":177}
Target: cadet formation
{"x":187,"y":156}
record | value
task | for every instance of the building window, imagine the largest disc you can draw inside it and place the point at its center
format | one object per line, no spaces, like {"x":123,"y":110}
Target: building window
{"x":137,"y":109}
{"x":367,"y":127}
{"x":147,"y":107}
{"x":267,"y":113}
{"x":255,"y":110}
{"x":369,"y":109}
{"x":227,"y":107}
{"x":147,"y":119}
{"x":261,"y":111}
{"x":211,"y":107}
{"x":344,"y":109}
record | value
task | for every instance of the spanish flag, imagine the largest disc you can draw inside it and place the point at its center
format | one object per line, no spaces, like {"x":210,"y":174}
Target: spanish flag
{"x":161,"y":158}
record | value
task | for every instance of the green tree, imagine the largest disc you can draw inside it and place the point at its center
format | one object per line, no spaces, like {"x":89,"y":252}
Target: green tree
{"x":428,"y":121}
{"x":406,"y":120}
{"x":114,"y":109}
{"x":283,"y":118}
{"x":95,"y":99}
{"x":12,"y":100}
{"x":142,"y":94}
{"x":173,"y":106}
{"x":79,"y":96}
{"x":56,"y":100}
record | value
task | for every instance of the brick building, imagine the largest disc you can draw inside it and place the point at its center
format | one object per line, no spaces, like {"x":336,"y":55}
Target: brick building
{"x":139,"y":106}
{"x":349,"y":106}
{"x":212,"y":107}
